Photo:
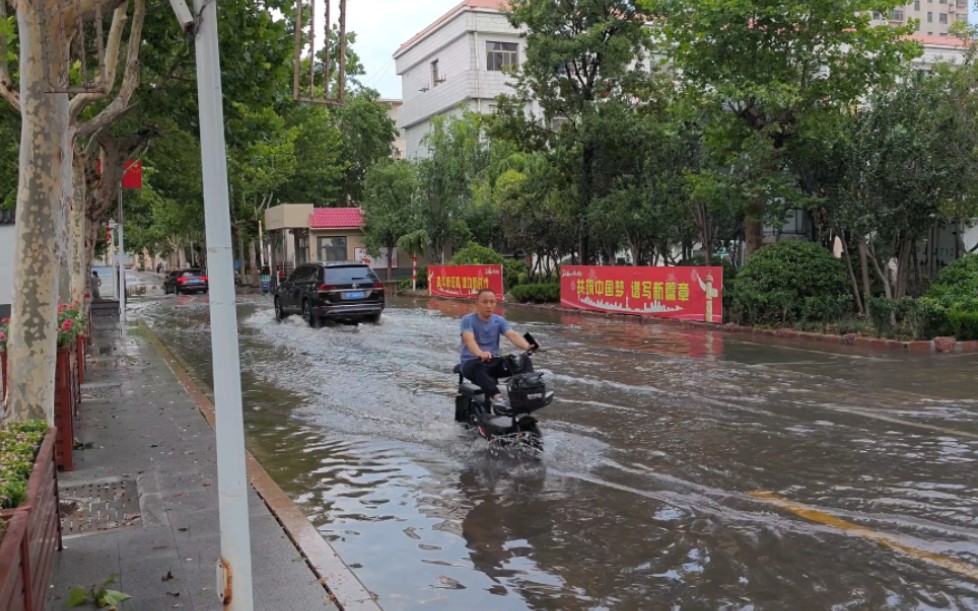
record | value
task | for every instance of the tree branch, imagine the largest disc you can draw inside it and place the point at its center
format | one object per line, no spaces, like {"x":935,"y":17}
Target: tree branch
{"x":130,"y":81}
{"x":114,"y":41}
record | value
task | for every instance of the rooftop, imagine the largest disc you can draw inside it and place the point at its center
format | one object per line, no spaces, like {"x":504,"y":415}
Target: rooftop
{"x":465,"y":5}
{"x":336,"y":218}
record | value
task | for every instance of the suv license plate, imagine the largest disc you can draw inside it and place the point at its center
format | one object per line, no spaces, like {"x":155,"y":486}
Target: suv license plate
{"x":354,"y":295}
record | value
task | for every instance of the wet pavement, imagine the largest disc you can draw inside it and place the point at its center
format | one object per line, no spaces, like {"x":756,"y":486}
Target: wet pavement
{"x":683,"y":468}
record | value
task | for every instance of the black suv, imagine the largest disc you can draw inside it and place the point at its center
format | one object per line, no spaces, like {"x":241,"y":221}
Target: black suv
{"x":333,"y":291}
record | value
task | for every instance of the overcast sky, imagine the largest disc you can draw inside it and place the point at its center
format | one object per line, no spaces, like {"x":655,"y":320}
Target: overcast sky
{"x":383,"y":25}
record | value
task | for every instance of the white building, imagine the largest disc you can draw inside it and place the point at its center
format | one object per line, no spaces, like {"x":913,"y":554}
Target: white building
{"x":456,"y":62}
{"x":393,"y":107}
{"x":934,"y":18}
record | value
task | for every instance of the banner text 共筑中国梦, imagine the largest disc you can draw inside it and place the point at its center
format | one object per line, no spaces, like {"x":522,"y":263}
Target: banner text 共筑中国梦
{"x":686,"y":293}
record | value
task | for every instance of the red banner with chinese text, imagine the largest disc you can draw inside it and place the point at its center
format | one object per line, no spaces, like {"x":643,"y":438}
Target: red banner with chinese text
{"x":465,"y":280}
{"x":687,"y":293}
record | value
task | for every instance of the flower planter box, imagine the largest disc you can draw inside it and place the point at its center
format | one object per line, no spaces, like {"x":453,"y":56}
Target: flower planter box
{"x":64,"y":408}
{"x":33,"y":536}
{"x":13,"y":594}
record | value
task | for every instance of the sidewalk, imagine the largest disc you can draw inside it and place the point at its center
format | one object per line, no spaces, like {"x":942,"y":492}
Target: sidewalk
{"x":143,"y":503}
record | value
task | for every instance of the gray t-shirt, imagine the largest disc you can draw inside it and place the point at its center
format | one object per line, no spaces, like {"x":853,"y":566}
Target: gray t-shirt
{"x":486,"y":333}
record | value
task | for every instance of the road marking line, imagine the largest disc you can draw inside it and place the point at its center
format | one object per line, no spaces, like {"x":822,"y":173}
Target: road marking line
{"x":821,"y":517}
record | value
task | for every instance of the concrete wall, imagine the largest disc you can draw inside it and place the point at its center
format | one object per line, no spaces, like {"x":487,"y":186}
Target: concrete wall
{"x":7,"y":234}
{"x":288,"y":216}
{"x":354,"y":239}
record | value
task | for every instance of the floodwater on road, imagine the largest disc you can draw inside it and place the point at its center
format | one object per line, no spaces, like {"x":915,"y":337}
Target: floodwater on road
{"x":683,"y":468}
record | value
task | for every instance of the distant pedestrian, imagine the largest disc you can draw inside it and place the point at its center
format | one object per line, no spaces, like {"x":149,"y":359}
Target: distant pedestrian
{"x":159,"y":268}
{"x":96,"y":284}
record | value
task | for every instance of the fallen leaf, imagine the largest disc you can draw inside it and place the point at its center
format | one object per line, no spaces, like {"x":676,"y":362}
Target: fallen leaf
{"x":168,"y":576}
{"x":173,"y":594}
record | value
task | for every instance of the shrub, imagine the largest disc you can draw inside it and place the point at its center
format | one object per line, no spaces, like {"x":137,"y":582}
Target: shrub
{"x":515,"y":273}
{"x":536,"y":293}
{"x":19,"y":443}
{"x":963,"y":323}
{"x":473,"y":254}
{"x":908,"y":318}
{"x":790,"y":282}
{"x":956,"y":283}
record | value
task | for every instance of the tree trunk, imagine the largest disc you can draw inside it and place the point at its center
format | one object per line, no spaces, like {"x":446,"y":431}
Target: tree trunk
{"x":78,"y":249}
{"x":864,"y":265}
{"x":253,"y":264}
{"x":390,"y":262}
{"x":44,"y":188}
{"x":852,"y":277}
{"x":754,"y":227}
{"x":887,"y":287}
{"x":903,"y":266}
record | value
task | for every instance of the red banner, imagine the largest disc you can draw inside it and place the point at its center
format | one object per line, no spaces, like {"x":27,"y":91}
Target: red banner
{"x":465,"y":280}
{"x":687,"y":293}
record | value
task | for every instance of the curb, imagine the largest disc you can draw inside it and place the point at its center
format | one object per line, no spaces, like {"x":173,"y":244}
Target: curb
{"x":938,"y":345}
{"x":344,"y":588}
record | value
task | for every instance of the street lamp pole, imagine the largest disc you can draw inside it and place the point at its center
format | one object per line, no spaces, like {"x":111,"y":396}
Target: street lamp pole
{"x":122,"y":262}
{"x":234,"y":567}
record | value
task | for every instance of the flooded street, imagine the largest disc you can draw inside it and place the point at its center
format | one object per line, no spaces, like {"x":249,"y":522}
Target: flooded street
{"x":682,"y":468}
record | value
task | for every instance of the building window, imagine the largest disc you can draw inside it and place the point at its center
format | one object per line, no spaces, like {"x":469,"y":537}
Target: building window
{"x":896,"y":15}
{"x":332,"y":249}
{"x":961,"y":18}
{"x":500,"y":55}
{"x":930,"y":17}
{"x":301,"y":249}
{"x":434,"y":74}
{"x":943,"y":17}
{"x":916,"y":5}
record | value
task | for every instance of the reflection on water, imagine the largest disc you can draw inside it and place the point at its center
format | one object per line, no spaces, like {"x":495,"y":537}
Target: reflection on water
{"x":641,"y":499}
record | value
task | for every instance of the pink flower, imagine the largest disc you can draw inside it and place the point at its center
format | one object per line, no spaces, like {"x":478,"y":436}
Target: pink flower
{"x":3,"y":336}
{"x":61,"y":307}
{"x":88,"y":295}
{"x":5,"y":321}
{"x":67,"y":325}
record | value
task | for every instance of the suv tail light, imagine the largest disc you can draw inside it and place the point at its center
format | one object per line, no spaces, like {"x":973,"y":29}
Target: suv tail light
{"x":204,"y":278}
{"x":378,"y":285}
{"x":181,"y":280}
{"x":327,"y":287}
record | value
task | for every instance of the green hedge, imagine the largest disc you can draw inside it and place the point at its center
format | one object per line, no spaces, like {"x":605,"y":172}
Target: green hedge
{"x":19,"y":443}
{"x":474,"y":254}
{"x":788,"y":283}
{"x":536,"y":293}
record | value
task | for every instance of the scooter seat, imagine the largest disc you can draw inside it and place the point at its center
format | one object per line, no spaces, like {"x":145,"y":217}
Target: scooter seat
{"x":469,"y":389}
{"x":501,"y":422}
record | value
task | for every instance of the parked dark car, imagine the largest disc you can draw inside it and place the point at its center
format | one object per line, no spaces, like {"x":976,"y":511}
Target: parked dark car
{"x":332,"y":291}
{"x":182,"y":281}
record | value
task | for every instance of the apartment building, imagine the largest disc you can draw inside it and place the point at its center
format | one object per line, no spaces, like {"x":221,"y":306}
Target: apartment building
{"x":457,"y":62}
{"x":934,"y":17}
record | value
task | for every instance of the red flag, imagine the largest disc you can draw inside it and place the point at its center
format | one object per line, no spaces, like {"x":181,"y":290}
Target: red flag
{"x":133,"y":178}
